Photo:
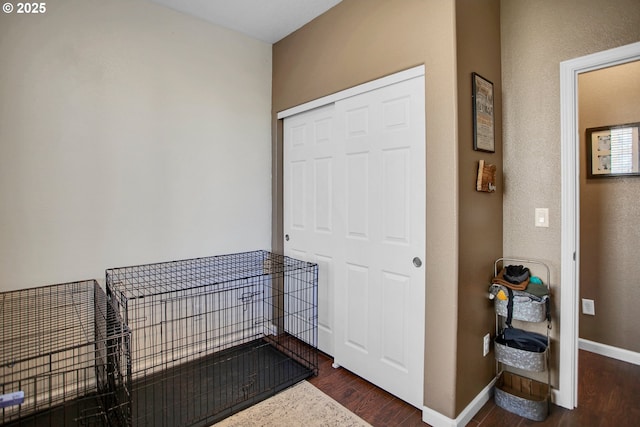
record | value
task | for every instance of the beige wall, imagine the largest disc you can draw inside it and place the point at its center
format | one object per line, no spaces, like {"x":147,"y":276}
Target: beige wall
{"x":536,"y":37}
{"x":129,"y":133}
{"x":480,"y":214}
{"x":610,"y":215}
{"x":361,"y":40}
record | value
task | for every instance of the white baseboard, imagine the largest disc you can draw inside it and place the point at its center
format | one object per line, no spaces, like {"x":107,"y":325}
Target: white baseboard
{"x":436,"y":419}
{"x":609,"y":351}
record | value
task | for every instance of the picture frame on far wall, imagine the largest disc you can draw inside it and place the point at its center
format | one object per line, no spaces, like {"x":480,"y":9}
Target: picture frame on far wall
{"x":483,"y":114}
{"x":613,"y":151}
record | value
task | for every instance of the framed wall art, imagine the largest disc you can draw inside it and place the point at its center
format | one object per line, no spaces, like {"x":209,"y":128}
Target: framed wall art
{"x":613,"y":151}
{"x":483,"y":114}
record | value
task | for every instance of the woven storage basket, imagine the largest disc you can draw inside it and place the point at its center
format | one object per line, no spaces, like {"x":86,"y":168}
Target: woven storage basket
{"x":527,"y":360}
{"x":523,"y":396}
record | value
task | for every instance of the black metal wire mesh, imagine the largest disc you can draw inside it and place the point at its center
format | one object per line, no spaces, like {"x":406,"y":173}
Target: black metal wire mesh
{"x":211,"y":336}
{"x":63,"y":348}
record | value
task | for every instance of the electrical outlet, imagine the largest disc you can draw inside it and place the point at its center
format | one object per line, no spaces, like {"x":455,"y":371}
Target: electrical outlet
{"x":588,"y":307}
{"x":485,"y":344}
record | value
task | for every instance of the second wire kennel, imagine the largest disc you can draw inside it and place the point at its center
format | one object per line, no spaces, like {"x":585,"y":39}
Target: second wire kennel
{"x":211,"y":336}
{"x":63,"y":355}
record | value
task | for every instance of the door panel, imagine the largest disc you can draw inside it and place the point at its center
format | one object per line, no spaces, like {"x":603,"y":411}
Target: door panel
{"x":365,"y":196}
{"x":356,"y":295}
{"x":395,"y":191}
{"x":326,"y":265}
{"x":323,"y":200}
{"x":309,"y":154}
{"x":395,"y":294}
{"x":298,"y":189}
{"x":357,"y":197}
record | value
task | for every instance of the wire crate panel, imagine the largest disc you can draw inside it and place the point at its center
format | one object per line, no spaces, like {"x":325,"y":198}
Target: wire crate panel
{"x":64,"y":349}
{"x":211,"y":335}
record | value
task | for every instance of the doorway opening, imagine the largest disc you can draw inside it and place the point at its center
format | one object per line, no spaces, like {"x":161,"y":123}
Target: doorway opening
{"x":567,"y":395}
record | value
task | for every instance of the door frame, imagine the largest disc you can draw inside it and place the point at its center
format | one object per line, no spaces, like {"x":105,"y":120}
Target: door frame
{"x":567,"y":395}
{"x":398,"y":77}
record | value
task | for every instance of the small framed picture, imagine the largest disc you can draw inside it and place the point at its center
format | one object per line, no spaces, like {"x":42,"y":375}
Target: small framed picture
{"x":483,"y":116}
{"x":613,"y":151}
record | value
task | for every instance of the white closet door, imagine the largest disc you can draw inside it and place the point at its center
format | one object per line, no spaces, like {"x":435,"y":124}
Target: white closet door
{"x":355,"y":203}
{"x":309,"y":154}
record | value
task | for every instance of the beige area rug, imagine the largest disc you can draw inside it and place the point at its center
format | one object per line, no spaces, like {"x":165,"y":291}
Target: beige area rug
{"x":300,"y":405}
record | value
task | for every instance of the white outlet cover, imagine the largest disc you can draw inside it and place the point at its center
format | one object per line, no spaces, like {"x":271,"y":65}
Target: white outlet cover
{"x":588,"y":307}
{"x":485,"y":344}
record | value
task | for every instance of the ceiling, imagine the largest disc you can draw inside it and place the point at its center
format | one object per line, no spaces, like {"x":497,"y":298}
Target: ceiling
{"x":266,"y":20}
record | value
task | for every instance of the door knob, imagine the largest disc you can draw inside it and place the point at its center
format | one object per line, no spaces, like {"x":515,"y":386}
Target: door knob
{"x":286,"y":237}
{"x":417,"y":262}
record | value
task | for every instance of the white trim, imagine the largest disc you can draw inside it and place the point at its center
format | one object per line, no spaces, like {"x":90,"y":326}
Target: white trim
{"x":436,"y":419}
{"x":610,"y":351}
{"x":353,"y":91}
{"x":567,"y":395}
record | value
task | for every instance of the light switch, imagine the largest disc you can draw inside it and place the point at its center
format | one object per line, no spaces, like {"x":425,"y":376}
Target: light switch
{"x":542,"y":217}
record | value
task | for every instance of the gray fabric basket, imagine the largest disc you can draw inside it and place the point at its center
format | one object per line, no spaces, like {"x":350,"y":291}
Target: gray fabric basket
{"x":522,"y":359}
{"x":522,"y":396}
{"x":529,"y":311}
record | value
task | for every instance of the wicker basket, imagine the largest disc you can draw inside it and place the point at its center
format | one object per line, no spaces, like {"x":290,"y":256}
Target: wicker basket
{"x":522,"y":396}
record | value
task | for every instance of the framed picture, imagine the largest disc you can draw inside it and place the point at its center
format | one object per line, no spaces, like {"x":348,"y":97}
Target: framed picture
{"x":483,"y":118}
{"x":613,"y":151}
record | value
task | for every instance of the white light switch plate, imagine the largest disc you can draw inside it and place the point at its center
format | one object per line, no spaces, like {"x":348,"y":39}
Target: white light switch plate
{"x":542,"y":217}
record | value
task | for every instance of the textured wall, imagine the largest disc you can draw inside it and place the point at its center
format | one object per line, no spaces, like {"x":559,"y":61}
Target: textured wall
{"x":129,"y":133}
{"x":536,"y":37}
{"x":609,"y":215}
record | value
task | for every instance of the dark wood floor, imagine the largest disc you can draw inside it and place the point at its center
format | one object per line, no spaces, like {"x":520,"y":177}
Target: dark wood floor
{"x":608,"y":396}
{"x":372,"y":404}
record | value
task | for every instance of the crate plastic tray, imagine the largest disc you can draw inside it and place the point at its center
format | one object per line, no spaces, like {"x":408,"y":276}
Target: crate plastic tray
{"x":522,"y":396}
{"x":522,"y":359}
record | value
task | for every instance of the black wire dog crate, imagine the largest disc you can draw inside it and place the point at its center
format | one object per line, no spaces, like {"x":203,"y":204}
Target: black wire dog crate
{"x":211,"y":336}
{"x":62,"y":356}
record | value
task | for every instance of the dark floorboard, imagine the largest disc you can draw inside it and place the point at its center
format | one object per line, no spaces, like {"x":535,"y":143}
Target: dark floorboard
{"x":372,"y":404}
{"x":608,"y":396}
